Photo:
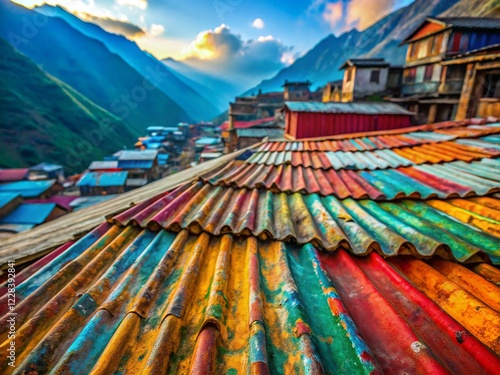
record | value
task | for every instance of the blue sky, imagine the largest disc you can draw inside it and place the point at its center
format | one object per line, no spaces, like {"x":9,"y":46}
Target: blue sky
{"x":232,"y":35}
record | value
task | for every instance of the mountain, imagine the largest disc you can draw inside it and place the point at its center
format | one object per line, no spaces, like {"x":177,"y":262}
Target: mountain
{"x":43,"y":119}
{"x":474,"y":8}
{"x":194,"y":102}
{"x":321,"y":64}
{"x":89,"y":67}
{"x":220,"y":90}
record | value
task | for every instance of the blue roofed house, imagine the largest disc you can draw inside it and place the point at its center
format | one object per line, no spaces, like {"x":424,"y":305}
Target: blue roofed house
{"x":46,"y":171}
{"x":33,"y":189}
{"x":28,"y":215}
{"x":102,"y":183}
{"x":141,"y":165}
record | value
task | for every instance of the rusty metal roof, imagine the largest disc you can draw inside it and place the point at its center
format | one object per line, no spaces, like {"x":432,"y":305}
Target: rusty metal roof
{"x":283,"y":268}
{"x":126,"y":300}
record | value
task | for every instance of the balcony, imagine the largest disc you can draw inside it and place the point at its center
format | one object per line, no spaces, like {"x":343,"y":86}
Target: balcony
{"x":420,"y":88}
{"x":452,"y":86}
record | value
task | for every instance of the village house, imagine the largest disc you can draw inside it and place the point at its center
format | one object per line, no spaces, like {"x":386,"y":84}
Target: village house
{"x":317,"y":119}
{"x":332,"y":92}
{"x":364,"y":77}
{"x":449,"y":60}
{"x":300,"y":92}
{"x":46,"y":171}
{"x":141,"y":165}
{"x":102,"y":183}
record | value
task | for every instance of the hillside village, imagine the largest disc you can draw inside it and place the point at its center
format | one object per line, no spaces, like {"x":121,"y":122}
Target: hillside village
{"x":339,"y":217}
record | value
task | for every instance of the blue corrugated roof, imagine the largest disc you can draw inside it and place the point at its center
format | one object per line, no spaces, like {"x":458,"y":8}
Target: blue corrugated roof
{"x":371,"y":108}
{"x":163,"y":158}
{"x":135,"y":164}
{"x":27,"y":189}
{"x":29,"y":213}
{"x":103,"y":179}
{"x":6,"y":198}
{"x":207,"y":141}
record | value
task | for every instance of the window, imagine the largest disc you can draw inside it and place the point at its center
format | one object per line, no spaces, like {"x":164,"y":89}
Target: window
{"x":375,"y":76}
{"x":491,"y":86}
{"x":429,"y":69}
{"x":349,"y":75}
{"x":409,"y":75}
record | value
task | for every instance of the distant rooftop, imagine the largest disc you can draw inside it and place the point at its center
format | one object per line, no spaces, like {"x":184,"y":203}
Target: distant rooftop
{"x":372,"y":108}
{"x":137,"y":155}
{"x":29,"y":213}
{"x":365,"y":63}
{"x":103,"y":179}
{"x":46,"y":167}
{"x":470,"y":22}
{"x":13,"y":174}
{"x":28,"y":189}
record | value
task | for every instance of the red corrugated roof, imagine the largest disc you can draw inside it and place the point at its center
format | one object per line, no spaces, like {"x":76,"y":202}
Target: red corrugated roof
{"x":13,"y":174}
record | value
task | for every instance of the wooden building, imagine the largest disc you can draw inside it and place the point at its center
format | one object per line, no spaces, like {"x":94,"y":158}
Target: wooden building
{"x":364,"y":77}
{"x":439,"y":61}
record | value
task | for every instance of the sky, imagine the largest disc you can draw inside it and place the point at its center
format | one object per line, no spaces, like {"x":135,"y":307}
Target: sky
{"x":255,"y":37}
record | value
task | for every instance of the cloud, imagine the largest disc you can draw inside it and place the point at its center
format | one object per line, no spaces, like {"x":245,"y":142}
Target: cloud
{"x":113,"y":25}
{"x":333,"y":14}
{"x":345,"y":15}
{"x":220,"y":51}
{"x":258,"y":23}
{"x":156,"y":30}
{"x":141,"y":4}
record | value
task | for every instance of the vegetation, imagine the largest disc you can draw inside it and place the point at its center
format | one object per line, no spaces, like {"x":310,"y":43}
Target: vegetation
{"x":43,"y":119}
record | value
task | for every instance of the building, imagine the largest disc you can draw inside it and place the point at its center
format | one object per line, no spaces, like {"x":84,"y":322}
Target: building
{"x":300,"y":92}
{"x":28,"y":215}
{"x":317,"y":119}
{"x":46,"y":171}
{"x":141,"y":165}
{"x":477,"y":75}
{"x":432,"y":90}
{"x":332,"y":92}
{"x":104,"y":166}
{"x":33,"y":189}
{"x":364,"y":78}
{"x":280,"y":262}
{"x":102,"y":183}
{"x":247,"y":133}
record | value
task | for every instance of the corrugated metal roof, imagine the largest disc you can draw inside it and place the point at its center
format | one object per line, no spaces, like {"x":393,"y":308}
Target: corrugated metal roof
{"x":248,"y":124}
{"x":360,"y":225}
{"x":46,"y":167}
{"x":366,"y":63}
{"x":456,"y":179}
{"x":132,"y":301}
{"x":63,"y":201}
{"x":29,"y":213}
{"x":272,"y":133}
{"x":371,"y":108}
{"x":217,"y":279}
{"x":28,"y":189}
{"x":13,"y":174}
{"x":103,"y":179}
{"x":137,"y":155}
{"x":471,"y":22}
{"x":6,"y":198}
{"x":106,"y":164}
{"x":135,"y":164}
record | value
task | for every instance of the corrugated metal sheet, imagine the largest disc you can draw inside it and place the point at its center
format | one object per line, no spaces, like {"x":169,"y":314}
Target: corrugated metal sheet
{"x":28,"y":189}
{"x":135,"y":164}
{"x":29,"y":213}
{"x":371,"y":108}
{"x":406,"y":226}
{"x":13,"y":174}
{"x":109,"y":164}
{"x":137,"y":155}
{"x":103,"y":179}
{"x":455,"y":179}
{"x":381,"y":159}
{"x":132,"y":301}
{"x":6,"y":198}
{"x":272,"y":133}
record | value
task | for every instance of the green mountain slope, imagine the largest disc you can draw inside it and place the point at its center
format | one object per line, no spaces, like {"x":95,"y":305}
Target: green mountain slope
{"x":90,"y":68}
{"x":43,"y":119}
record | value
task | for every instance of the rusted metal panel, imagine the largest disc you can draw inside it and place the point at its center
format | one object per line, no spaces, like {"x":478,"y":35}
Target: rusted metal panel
{"x":156,"y":302}
{"x":455,"y":179}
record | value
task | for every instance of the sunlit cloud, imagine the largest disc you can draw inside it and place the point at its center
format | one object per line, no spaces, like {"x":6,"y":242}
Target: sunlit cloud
{"x":258,"y":23}
{"x":141,"y":4}
{"x":116,"y":26}
{"x":156,"y":30}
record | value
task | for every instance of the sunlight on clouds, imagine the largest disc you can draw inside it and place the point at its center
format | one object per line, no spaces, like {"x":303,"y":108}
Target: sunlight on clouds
{"x":211,"y":44}
{"x":258,"y":23}
{"x":333,"y":14}
{"x":141,"y":4}
{"x":156,"y":30}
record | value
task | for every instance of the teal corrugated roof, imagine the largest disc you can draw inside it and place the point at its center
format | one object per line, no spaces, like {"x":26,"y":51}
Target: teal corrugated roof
{"x":29,"y":213}
{"x":371,"y":108}
{"x":27,"y":189}
{"x":6,"y":198}
{"x":103,"y":179}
